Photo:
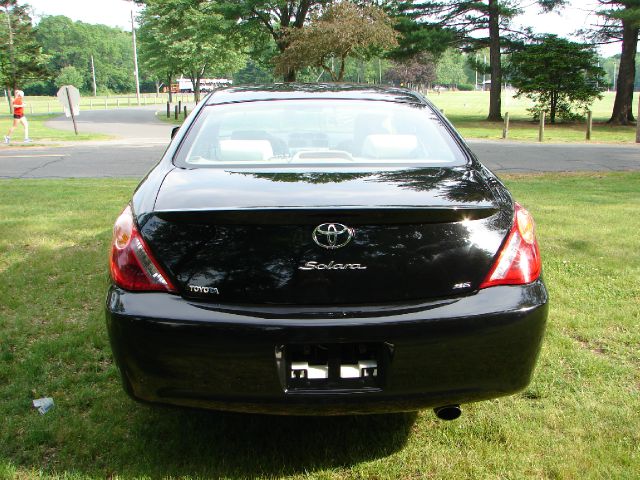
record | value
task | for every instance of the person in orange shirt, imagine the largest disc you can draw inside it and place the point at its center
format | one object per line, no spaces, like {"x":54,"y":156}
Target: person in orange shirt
{"x":18,"y":117}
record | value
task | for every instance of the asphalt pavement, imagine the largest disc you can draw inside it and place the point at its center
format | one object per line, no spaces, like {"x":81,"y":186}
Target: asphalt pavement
{"x":138,"y":125}
{"x":140,"y":138}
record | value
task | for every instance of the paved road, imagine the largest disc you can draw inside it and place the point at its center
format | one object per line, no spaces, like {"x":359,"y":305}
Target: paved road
{"x":516,"y":157}
{"x":126,"y":124}
{"x":138,"y":143}
{"x":141,"y":139}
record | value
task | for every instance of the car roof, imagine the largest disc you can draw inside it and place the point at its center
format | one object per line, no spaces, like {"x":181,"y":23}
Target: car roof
{"x":290,"y":91}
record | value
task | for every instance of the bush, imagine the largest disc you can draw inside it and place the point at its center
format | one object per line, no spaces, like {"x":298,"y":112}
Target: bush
{"x":70,"y":76}
{"x":40,"y":88}
{"x":466,"y":87}
{"x":564,"y":112}
{"x":105,"y":92}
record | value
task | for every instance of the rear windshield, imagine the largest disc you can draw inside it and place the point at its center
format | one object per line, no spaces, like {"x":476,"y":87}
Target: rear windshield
{"x":317,"y":132}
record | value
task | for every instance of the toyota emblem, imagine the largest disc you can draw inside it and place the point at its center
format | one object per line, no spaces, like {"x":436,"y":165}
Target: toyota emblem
{"x":332,"y":235}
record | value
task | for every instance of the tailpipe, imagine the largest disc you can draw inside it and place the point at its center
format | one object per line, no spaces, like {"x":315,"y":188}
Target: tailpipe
{"x":448,"y":412}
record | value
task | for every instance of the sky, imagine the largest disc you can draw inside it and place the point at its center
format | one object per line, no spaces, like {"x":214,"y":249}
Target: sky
{"x":117,"y":13}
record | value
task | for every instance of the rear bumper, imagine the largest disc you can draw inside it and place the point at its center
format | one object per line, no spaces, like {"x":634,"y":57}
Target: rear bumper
{"x":451,"y":351}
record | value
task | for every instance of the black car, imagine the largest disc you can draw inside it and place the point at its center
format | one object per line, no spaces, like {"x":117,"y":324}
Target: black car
{"x":323,"y":249}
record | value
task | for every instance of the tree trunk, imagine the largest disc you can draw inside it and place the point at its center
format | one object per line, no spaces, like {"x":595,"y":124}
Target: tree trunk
{"x":290,"y":76}
{"x":169,"y":84}
{"x":495,"y":104}
{"x":553,"y":108}
{"x":623,"y":105}
{"x":341,"y":71}
{"x":195,"y":81}
{"x":10,"y":99}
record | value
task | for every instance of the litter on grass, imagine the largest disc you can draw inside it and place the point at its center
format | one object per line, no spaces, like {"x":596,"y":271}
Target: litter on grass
{"x":43,"y":404}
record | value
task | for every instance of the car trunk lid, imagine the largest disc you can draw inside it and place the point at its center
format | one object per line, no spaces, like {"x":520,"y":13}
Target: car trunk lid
{"x":277,"y":237}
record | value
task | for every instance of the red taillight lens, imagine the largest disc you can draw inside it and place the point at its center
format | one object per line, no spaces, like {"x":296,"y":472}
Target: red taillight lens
{"x":519,"y":260}
{"x":131,"y":264}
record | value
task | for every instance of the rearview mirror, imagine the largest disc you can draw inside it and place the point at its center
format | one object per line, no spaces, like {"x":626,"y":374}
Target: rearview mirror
{"x":174,"y":130}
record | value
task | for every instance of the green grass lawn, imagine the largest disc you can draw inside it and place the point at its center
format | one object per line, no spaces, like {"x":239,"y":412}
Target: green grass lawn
{"x":468,"y":111}
{"x":38,"y":131}
{"x":162,"y":115}
{"x":580,"y":417}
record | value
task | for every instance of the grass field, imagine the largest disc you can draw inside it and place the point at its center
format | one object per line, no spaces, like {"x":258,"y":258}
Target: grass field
{"x":468,"y":111}
{"x":39,"y":132}
{"x":578,"y":419}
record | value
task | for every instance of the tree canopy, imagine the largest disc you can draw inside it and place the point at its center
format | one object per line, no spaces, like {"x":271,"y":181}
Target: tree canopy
{"x":344,"y":29}
{"x":418,"y":69}
{"x":274,"y":17}
{"x":190,"y":36}
{"x":478,"y":24}
{"x":21,"y":57}
{"x":72,"y":44}
{"x":450,"y":68}
{"x":558,"y":75}
{"x":69,"y":76}
{"x":416,"y":36}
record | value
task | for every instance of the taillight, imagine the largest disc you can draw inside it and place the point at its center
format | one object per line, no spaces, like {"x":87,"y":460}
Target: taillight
{"x":519,"y":260}
{"x":131,"y":264}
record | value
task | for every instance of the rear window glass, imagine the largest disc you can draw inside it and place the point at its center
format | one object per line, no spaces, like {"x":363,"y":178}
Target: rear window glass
{"x":303,"y":132}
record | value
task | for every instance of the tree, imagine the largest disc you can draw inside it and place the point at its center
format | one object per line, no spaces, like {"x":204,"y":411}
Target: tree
{"x":450,"y":68}
{"x":343,"y":30}
{"x":558,"y":75}
{"x":70,"y":76}
{"x":620,"y":21}
{"x":419,"y":69}
{"x":468,"y":18}
{"x":21,"y":57}
{"x":276,"y":17}
{"x":153,"y":55}
{"x":253,"y":73}
{"x":417,"y":37}
{"x":67,"y":43}
{"x":192,"y":37}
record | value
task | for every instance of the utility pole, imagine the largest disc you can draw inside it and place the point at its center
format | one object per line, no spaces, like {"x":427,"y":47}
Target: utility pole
{"x":135,"y":59}
{"x":484,"y":75}
{"x":11,"y":57}
{"x":93,"y":74}
{"x":476,"y":64}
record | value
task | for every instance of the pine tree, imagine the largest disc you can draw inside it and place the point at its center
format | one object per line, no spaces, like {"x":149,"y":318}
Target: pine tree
{"x":620,"y":22}
{"x":467,"y":18}
{"x":21,"y":57}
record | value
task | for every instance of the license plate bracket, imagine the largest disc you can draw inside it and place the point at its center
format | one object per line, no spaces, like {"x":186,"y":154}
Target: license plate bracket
{"x":333,"y":366}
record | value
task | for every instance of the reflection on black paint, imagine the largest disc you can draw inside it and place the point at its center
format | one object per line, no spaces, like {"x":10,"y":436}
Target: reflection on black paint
{"x":259,"y":263}
{"x":252,"y":258}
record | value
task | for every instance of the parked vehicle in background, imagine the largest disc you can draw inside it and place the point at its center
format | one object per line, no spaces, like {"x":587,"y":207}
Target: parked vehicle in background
{"x":207,"y":85}
{"x":326,"y":249}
